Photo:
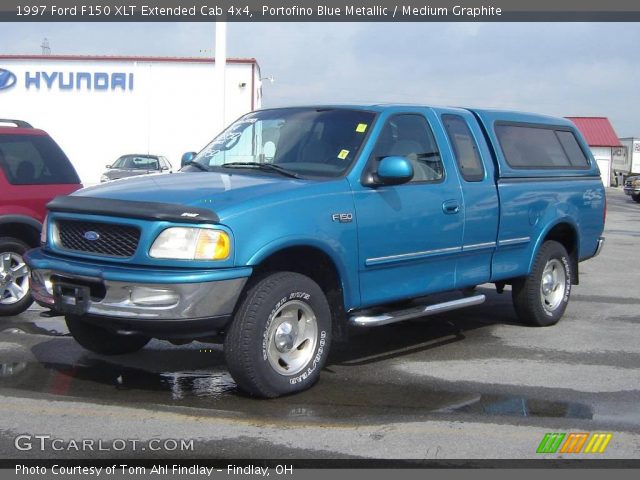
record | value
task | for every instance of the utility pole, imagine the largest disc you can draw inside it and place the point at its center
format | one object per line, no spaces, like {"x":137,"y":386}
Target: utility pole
{"x":46,"y":49}
{"x":221,"y":67}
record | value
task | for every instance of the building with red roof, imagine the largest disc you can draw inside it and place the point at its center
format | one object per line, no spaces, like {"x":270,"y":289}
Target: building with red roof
{"x":603,"y":142}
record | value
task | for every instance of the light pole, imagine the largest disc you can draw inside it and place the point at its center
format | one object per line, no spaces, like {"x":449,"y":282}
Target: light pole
{"x":220,"y":68}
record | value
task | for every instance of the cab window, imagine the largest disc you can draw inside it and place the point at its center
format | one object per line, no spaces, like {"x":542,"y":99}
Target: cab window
{"x":410,"y":136}
{"x":464,"y":147}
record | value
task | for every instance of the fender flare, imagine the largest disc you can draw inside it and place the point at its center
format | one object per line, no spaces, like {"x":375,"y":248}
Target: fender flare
{"x":32,"y":222}
{"x":351,"y":293}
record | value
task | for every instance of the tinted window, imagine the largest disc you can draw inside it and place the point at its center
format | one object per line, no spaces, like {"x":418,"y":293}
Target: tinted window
{"x":34,"y":160}
{"x":572,"y":148}
{"x":532,"y":147}
{"x":464,"y":148}
{"x":411,"y":137}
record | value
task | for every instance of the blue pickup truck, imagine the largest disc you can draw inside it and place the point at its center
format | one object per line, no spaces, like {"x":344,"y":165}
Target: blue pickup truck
{"x":296,"y":225}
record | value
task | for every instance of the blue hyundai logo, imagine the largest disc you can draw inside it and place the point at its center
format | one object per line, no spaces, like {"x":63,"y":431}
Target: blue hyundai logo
{"x":7,"y":79}
{"x":91,"y":235}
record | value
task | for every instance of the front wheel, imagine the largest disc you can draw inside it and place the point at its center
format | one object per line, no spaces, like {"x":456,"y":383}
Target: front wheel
{"x":635,"y":198}
{"x":15,"y":294}
{"x":100,"y":340}
{"x":280,"y":336}
{"x":541,"y":298}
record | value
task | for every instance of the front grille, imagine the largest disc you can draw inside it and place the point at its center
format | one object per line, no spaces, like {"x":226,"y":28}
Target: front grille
{"x":112,"y":240}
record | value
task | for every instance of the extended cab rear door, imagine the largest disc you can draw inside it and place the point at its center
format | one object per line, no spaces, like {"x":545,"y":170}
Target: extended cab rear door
{"x":475,"y":167}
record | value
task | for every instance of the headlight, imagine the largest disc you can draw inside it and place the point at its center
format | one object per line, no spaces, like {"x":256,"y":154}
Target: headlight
{"x":104,"y":178}
{"x":43,"y":232}
{"x":184,"y":243}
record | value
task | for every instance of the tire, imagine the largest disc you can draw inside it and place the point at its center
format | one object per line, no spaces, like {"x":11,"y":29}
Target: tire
{"x":100,"y":340}
{"x":15,"y":292}
{"x":635,"y":198}
{"x":541,"y":298}
{"x":268,"y":355}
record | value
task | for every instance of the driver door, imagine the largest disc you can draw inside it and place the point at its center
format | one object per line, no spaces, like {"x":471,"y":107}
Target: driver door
{"x":409,"y":235}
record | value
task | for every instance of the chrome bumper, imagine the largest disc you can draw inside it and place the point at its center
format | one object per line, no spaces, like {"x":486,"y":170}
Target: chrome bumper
{"x":599,"y":247}
{"x":137,"y":302}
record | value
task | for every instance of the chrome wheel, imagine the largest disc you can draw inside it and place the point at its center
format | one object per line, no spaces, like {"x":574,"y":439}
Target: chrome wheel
{"x":292,"y":337}
{"x":14,"y":278}
{"x":553,"y":284}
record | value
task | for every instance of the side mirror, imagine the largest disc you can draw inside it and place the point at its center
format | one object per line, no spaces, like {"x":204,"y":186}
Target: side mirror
{"x":108,"y":166}
{"x":186,"y":158}
{"x":394,"y":171}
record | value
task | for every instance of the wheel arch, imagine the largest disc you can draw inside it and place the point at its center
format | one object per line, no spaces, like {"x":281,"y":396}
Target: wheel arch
{"x":21,"y":227}
{"x":315,"y":261}
{"x":565,"y":232}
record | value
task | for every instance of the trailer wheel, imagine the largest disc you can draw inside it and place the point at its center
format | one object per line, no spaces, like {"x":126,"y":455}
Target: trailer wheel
{"x":279,"y":339}
{"x":541,"y":298}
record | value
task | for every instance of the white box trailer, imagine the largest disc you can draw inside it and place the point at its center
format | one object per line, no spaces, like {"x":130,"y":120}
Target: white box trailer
{"x":628,"y":161}
{"x":99,"y":108}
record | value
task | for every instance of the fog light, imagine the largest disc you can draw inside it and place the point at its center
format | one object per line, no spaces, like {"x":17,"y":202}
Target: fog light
{"x":154,"y":297}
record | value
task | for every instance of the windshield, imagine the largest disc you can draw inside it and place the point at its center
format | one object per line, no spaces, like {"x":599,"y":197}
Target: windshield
{"x":136,"y":163}
{"x":316,"y":142}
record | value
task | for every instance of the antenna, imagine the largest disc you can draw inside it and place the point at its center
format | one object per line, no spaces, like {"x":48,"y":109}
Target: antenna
{"x":46,"y":49}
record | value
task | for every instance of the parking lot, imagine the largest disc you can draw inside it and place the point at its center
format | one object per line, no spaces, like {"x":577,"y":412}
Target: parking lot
{"x":469,"y":384}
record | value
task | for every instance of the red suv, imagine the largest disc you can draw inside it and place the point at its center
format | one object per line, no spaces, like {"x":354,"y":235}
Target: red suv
{"x":33,"y":170}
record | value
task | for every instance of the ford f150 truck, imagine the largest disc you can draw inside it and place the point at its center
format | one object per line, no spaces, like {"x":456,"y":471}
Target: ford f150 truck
{"x":294,"y":224}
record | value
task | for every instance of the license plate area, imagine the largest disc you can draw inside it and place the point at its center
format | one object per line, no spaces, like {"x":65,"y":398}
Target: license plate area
{"x":69,"y":298}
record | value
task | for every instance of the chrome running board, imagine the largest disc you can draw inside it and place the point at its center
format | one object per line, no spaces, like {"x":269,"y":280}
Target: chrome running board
{"x":363,"y":320}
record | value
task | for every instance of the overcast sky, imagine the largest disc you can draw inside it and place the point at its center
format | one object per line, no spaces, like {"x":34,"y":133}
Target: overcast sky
{"x":565,"y":69}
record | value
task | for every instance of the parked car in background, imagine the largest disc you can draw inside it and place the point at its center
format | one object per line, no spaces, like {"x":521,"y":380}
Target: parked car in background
{"x":33,"y":170}
{"x":632,"y":188}
{"x":134,"y":165}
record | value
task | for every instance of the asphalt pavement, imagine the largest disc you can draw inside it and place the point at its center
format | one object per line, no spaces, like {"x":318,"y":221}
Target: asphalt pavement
{"x":470,"y":384}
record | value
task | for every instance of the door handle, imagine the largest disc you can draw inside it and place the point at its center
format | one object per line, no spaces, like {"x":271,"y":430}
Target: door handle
{"x":451,"y":207}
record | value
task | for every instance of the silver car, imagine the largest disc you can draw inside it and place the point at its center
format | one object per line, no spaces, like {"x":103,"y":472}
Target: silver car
{"x":134,"y":165}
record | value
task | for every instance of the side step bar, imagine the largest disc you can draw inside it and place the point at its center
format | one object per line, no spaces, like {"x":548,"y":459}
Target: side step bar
{"x":361,"y":320}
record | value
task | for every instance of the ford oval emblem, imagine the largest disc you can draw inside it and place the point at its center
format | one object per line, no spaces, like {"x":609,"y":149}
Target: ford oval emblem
{"x":91,"y":235}
{"x":7,"y":79}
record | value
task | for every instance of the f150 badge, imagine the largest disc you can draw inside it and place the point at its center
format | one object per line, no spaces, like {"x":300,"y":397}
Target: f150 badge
{"x":342,"y":217}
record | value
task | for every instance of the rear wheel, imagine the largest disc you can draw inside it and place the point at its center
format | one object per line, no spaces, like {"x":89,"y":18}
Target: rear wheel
{"x":102,"y":341}
{"x":279,"y":339}
{"x":541,"y":298}
{"x":15,"y":294}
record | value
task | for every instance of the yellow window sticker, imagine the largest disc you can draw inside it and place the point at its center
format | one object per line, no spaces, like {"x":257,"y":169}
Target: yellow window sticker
{"x":361,"y":128}
{"x":343,"y":154}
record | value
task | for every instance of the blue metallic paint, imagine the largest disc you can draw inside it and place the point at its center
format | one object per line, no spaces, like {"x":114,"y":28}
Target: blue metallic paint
{"x":400,"y":243}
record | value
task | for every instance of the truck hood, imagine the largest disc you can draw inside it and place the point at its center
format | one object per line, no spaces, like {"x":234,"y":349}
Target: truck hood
{"x":218,"y":192}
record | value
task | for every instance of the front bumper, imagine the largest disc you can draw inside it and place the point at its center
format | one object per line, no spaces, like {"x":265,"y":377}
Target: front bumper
{"x":134,"y":299}
{"x":631,"y":190}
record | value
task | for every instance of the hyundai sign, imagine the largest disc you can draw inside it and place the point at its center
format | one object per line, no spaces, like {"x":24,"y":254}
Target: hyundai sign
{"x":69,"y":80}
{"x":7,"y":79}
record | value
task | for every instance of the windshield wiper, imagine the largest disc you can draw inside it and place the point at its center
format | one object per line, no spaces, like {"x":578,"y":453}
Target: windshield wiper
{"x":204,"y":168}
{"x":263,"y":166}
